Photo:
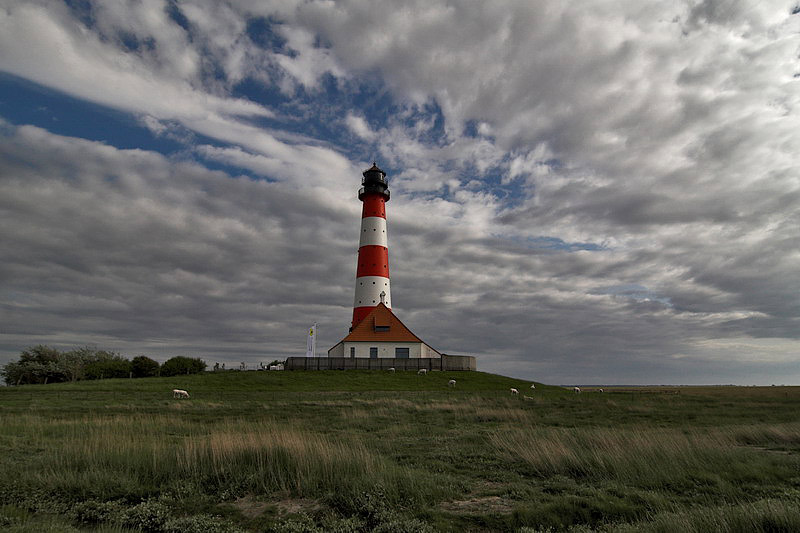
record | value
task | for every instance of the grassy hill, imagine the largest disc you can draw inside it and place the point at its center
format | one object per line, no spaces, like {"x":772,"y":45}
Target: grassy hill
{"x":302,"y":381}
{"x":241,"y":390}
{"x":375,"y":451}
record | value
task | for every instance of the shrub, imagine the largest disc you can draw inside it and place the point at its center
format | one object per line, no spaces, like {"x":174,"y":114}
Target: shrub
{"x":150,"y":515}
{"x":144,"y":367}
{"x":93,"y":512}
{"x":42,"y":364}
{"x":182,"y":365}
{"x":200,"y":523}
{"x":108,"y":365}
{"x":39,"y":364}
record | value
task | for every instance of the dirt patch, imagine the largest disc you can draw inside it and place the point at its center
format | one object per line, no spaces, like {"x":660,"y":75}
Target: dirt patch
{"x":297,"y":505}
{"x":478,"y":505}
{"x":250,"y":507}
{"x":253,"y":508}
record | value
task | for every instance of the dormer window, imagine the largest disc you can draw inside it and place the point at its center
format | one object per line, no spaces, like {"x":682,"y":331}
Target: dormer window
{"x":381,"y":324}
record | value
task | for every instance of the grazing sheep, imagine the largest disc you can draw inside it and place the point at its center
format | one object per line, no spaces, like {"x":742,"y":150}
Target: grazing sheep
{"x":577,"y":390}
{"x":422,"y":371}
{"x":514,"y":391}
{"x":178,"y":393}
{"x":391,"y":369}
{"x":533,"y":386}
{"x":451,"y":383}
{"x":601,"y":390}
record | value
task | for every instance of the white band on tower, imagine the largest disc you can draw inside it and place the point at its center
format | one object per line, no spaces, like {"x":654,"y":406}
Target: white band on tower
{"x":373,"y":232}
{"x":368,"y":291}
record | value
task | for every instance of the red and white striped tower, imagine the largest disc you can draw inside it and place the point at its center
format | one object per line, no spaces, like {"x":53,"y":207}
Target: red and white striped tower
{"x":372,"y":272}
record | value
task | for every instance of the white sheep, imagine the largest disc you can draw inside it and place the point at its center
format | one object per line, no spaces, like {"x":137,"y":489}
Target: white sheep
{"x":601,"y":390}
{"x":422,"y":371}
{"x":577,"y":390}
{"x":533,"y":386}
{"x":391,"y":369}
{"x":514,"y":391}
{"x":451,"y":383}
{"x":178,"y":393}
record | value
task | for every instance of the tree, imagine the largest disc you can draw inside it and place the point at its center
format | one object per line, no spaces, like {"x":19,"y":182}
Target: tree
{"x":43,"y":364}
{"x":74,"y":362}
{"x":107,"y":365}
{"x":182,"y":365}
{"x":144,"y":367}
{"x":21,"y":373}
{"x":39,"y":354}
{"x":39,"y":364}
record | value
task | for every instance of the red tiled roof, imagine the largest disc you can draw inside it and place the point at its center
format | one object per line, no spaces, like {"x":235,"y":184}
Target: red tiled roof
{"x":381,"y":316}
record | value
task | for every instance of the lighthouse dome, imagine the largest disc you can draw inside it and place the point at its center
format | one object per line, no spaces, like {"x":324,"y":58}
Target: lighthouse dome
{"x":374,"y":182}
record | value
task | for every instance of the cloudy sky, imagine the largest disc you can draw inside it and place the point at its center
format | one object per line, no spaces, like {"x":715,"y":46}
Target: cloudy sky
{"x":582,"y":192}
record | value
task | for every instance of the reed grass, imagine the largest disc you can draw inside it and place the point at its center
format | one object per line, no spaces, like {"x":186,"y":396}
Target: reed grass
{"x":762,"y":516}
{"x":651,"y":458}
{"x":111,"y":457}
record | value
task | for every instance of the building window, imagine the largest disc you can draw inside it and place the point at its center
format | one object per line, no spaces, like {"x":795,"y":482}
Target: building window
{"x":381,"y":328}
{"x":401,"y":353}
{"x":373,"y":352}
{"x":352,"y":352}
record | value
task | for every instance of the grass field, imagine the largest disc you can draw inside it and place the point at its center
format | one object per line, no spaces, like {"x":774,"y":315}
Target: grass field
{"x":374,"y":451}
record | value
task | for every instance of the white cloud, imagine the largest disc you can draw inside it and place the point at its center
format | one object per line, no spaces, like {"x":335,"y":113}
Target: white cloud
{"x":42,"y":44}
{"x":359,"y":126}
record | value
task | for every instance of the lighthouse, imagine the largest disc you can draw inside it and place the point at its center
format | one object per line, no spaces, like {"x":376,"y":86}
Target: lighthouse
{"x":375,"y":332}
{"x":377,"y":338}
{"x":372,"y":268}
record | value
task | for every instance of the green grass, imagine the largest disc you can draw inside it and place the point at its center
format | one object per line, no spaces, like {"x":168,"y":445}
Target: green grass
{"x":374,"y":451}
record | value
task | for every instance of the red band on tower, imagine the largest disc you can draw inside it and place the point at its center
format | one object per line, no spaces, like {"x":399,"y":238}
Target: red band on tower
{"x":373,"y":261}
{"x":374,"y":206}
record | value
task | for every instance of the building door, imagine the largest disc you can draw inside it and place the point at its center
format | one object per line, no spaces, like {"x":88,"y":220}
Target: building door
{"x":352,"y":352}
{"x":373,"y":352}
{"x":401,"y":353}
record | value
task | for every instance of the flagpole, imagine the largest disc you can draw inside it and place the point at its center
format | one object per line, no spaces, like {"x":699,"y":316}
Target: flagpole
{"x":314,"y":342}
{"x":311,"y":341}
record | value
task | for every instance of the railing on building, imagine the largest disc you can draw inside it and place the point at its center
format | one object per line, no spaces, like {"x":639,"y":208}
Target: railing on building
{"x":445,"y":362}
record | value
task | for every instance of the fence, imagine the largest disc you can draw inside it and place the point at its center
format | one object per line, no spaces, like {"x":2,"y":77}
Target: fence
{"x":445,"y":362}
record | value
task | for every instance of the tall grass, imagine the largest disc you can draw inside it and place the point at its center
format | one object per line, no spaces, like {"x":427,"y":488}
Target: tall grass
{"x":646,"y":457}
{"x":112,"y":457}
{"x":781,"y":435}
{"x":762,"y":516}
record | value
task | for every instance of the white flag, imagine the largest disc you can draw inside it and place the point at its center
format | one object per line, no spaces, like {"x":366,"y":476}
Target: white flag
{"x":311,"y":344}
